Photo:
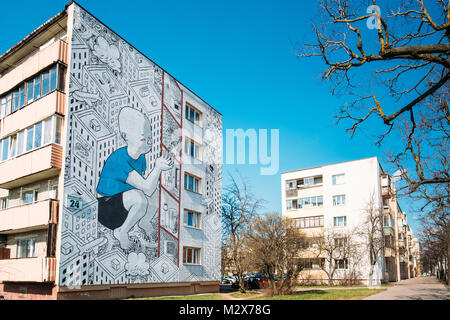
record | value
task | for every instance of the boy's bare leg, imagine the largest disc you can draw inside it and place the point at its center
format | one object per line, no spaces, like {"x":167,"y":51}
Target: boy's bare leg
{"x":135,"y":202}
{"x":146,"y":222}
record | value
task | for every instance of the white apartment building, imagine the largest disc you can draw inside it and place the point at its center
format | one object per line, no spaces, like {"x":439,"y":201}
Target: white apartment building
{"x":330,"y":204}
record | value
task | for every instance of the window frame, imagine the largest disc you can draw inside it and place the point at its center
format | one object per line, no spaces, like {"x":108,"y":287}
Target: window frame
{"x":195,"y":178}
{"x":198,"y":219}
{"x":196,"y":256}
{"x":334,"y":180}
{"x":336,"y":219}
{"x":188,"y":148}
{"x":342,"y":200}
{"x":187,"y":115}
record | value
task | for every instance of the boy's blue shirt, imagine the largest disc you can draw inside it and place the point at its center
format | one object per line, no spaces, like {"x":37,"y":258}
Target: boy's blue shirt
{"x":116,"y":170}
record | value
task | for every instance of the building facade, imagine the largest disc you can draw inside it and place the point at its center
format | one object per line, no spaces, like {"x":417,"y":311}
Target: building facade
{"x":110,"y":170}
{"x":332,"y":204}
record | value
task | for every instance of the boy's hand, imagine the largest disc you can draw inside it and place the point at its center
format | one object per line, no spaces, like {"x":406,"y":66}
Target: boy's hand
{"x":164,"y":163}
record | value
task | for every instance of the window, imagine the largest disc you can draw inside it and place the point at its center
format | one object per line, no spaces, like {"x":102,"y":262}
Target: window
{"x":30,"y":196}
{"x":309,"y":222}
{"x":58,"y":130}
{"x":25,"y":248}
{"x":13,"y":146}
{"x":30,"y":134}
{"x":339,"y":200}
{"x":341,"y":264}
{"x":34,"y":137}
{"x":21,"y":96}
{"x":53,"y":78}
{"x":191,"y":255}
{"x":2,"y":107}
{"x":310,"y":202}
{"x":307,"y":264}
{"x":387,"y":221}
{"x":338,"y":179}
{"x":192,"y":219}
{"x":192,"y":183}
{"x":37,"y":88}
{"x":193,"y":149}
{"x":8,"y":103}
{"x":340,"y":221}
{"x":15,"y":100}
{"x":340,"y":242}
{"x":289,"y":204}
{"x":38,"y":135}
{"x":290,"y":185}
{"x":193,"y":115}
{"x":47,"y":131}
{"x":45,"y":83}
{"x":308,"y":181}
{"x":30,"y":91}
{"x":5,"y":149}
{"x":3,"y":203}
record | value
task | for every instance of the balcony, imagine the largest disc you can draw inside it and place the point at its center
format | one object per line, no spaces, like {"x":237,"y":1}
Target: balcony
{"x":388,"y":231}
{"x":36,"y":111}
{"x":386,"y":191}
{"x":41,"y":269}
{"x":57,"y":51}
{"x":291,"y":193}
{"x":30,"y":167}
{"x":389,"y":252}
{"x":29,"y":217}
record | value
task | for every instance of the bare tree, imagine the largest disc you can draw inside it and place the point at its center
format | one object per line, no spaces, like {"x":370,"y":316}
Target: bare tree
{"x":338,"y":249}
{"x":274,"y":242}
{"x":397,"y":75}
{"x":372,"y":233}
{"x":239,"y":207}
{"x":435,"y":252}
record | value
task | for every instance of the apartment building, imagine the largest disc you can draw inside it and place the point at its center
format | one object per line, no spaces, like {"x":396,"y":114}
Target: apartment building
{"x":331,"y":205}
{"x":110,"y":170}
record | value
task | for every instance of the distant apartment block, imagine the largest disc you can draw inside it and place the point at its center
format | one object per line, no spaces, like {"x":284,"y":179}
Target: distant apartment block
{"x":332,"y":201}
{"x":110,"y":170}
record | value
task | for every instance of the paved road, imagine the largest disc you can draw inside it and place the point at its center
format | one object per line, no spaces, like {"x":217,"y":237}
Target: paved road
{"x":420,"y":288}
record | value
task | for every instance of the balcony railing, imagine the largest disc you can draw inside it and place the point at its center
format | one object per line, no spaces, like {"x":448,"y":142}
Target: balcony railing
{"x":41,"y":269}
{"x":41,"y":109}
{"x":389,"y":252}
{"x":29,"y":217}
{"x":386,"y":191}
{"x":57,"y":51}
{"x":291,"y":193}
{"x":30,"y":167}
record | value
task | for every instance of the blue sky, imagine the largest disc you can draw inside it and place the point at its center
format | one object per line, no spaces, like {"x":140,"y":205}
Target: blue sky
{"x":239,"y":57}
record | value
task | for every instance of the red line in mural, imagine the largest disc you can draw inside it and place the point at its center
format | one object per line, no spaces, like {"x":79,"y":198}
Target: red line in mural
{"x":169,"y":233}
{"x":167,"y":149}
{"x":170,"y":193}
{"x":174,"y":119}
{"x":181,"y":168}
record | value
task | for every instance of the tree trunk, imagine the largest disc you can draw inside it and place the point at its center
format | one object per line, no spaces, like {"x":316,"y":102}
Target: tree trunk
{"x":448,"y":256}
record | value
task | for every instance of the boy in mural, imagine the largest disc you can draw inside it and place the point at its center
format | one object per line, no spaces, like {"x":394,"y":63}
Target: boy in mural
{"x":122,"y":184}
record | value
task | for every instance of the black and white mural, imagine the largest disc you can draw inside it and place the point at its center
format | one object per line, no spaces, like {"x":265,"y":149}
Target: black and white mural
{"x":122,"y":219}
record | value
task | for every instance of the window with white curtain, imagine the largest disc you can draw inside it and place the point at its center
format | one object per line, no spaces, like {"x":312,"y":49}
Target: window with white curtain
{"x":25,"y":248}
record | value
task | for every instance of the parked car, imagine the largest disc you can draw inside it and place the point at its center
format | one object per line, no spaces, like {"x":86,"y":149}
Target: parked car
{"x":252,"y":281}
{"x":228,"y":279}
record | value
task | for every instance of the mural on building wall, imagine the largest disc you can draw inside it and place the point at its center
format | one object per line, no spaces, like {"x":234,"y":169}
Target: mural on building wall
{"x":121,"y":220}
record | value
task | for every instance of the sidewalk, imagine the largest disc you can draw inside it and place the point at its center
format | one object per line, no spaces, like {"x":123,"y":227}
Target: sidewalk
{"x":420,"y":288}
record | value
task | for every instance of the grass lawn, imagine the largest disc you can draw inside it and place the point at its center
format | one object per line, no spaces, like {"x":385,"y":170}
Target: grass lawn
{"x":330,"y":294}
{"x":246,"y":295}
